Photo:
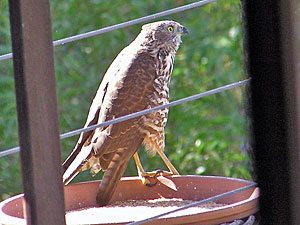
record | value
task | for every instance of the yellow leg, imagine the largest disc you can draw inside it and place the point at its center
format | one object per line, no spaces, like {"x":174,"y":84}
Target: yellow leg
{"x":140,"y":169}
{"x":143,"y":175}
{"x":168,"y":163}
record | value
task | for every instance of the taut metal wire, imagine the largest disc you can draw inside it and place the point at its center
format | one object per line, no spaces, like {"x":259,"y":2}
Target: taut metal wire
{"x":123,"y":25}
{"x":137,"y":114}
{"x":196,"y":204}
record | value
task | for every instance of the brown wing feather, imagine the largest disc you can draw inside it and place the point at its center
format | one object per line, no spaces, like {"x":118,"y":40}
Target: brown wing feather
{"x":124,"y":90}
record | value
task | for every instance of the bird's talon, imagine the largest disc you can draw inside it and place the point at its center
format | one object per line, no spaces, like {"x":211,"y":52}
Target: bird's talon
{"x":145,"y":181}
{"x":158,"y":172}
{"x":151,"y":185}
{"x":154,"y":174}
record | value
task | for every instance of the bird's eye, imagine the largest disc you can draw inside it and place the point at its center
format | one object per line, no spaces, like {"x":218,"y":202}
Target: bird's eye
{"x":170,"y":29}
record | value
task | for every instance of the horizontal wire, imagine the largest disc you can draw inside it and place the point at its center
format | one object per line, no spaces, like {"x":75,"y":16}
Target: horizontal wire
{"x":6,"y":56}
{"x":146,"y":111}
{"x":195,"y":204}
{"x":137,"y":114}
{"x":10,"y":151}
{"x":123,"y":25}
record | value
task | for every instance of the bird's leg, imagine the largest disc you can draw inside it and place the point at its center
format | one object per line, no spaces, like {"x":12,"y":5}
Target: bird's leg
{"x":140,"y":169}
{"x":172,"y":169}
{"x":143,"y":175}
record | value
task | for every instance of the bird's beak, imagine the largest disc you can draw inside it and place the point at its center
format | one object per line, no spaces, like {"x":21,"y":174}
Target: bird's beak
{"x":184,"y":31}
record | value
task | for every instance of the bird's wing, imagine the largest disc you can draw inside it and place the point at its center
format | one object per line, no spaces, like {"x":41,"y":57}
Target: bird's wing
{"x":124,"y":90}
{"x":93,"y":115}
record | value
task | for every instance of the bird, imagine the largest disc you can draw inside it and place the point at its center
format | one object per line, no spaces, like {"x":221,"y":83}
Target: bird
{"x":136,"y":80}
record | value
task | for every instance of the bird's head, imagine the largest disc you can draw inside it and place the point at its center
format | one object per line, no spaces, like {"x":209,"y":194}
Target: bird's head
{"x":164,"y":34}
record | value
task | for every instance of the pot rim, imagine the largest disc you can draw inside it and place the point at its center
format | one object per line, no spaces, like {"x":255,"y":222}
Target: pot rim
{"x":239,"y":208}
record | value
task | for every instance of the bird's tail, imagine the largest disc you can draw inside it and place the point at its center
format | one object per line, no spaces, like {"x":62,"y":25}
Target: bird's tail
{"x":111,"y":178}
{"x":117,"y":167}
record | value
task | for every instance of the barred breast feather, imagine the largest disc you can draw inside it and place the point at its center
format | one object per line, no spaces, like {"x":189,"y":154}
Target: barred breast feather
{"x":154,"y":123}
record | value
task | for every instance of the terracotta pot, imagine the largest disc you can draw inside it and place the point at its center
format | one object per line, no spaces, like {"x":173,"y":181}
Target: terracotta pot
{"x":81,"y":196}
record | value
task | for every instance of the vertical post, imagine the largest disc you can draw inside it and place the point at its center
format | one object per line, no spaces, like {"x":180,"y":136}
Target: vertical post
{"x":37,"y":111}
{"x":271,"y":58}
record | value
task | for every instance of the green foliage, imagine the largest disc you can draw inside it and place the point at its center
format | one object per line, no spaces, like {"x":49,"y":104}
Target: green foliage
{"x":202,"y":137}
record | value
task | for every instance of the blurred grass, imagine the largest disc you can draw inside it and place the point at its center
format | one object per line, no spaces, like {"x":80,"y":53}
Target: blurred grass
{"x":202,"y":137}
